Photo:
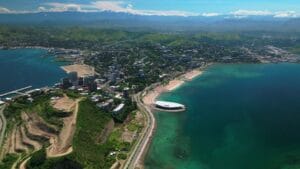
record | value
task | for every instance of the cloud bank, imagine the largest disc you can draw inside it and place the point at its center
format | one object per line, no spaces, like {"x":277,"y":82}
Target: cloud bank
{"x":122,"y":7}
{"x":280,"y":14}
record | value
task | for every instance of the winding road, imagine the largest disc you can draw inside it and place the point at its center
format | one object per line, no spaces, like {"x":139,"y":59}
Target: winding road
{"x":135,"y":158}
{"x":2,"y":125}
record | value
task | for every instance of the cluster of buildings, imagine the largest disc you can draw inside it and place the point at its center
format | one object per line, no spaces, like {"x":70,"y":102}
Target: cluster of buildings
{"x":101,"y":91}
{"x":111,"y":101}
{"x":73,"y":81}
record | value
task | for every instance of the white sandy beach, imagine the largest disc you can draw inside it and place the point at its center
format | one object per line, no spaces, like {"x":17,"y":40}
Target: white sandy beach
{"x":151,"y":96}
{"x":81,"y":69}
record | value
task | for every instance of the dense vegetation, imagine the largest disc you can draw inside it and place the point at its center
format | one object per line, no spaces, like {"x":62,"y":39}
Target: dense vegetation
{"x":38,"y":161}
{"x":121,"y":116}
{"x":8,"y":161}
{"x":141,"y":56}
{"x":87,"y":150}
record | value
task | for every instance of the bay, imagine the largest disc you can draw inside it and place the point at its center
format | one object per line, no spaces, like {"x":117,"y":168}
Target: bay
{"x":25,"y":67}
{"x":239,"y":116}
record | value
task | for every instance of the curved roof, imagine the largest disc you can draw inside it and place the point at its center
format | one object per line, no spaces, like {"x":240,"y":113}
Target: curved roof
{"x":169,"y":104}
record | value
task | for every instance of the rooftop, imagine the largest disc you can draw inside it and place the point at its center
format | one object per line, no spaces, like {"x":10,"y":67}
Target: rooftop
{"x":168,"y":104}
{"x":119,"y":107}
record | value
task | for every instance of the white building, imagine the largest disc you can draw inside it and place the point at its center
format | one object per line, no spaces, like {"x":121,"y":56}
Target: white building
{"x":169,"y":105}
{"x":119,"y":108}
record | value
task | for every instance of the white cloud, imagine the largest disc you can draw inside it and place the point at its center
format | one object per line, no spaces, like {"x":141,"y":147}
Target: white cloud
{"x":4,"y":10}
{"x":286,"y":14}
{"x":61,"y":7}
{"x":280,"y":14}
{"x":242,"y":12}
{"x":120,"y":6}
{"x":115,"y":6}
{"x":211,"y":14}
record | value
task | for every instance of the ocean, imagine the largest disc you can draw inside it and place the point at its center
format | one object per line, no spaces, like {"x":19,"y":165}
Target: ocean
{"x":239,"y":116}
{"x":24,"y":67}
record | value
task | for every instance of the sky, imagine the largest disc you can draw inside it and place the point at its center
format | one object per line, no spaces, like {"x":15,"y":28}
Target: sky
{"x":208,"y":8}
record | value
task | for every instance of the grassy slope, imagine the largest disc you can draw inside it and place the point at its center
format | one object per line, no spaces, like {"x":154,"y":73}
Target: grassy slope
{"x":90,"y":123}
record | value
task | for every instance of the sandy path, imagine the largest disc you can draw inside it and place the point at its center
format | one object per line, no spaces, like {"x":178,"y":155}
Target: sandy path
{"x":36,"y":145}
{"x":2,"y":125}
{"x":23,"y":164}
{"x":11,"y":144}
{"x":19,"y":146}
{"x":34,"y":130}
{"x":62,"y":144}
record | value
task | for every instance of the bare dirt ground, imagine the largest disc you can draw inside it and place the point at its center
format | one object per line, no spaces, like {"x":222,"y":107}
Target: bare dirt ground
{"x":64,"y":104}
{"x":31,"y":122}
{"x":139,"y":118}
{"x":36,"y":145}
{"x":106,"y":132}
{"x":11,"y":140}
{"x":19,"y":146}
{"x":128,"y":136}
{"x":81,"y":69}
{"x":62,"y":144}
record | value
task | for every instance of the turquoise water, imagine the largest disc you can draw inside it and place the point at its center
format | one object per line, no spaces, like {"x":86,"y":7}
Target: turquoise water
{"x":238,"y":117}
{"x":24,"y":67}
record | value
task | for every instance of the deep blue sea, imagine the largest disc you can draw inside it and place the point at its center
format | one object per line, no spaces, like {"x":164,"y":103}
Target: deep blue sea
{"x":24,"y":67}
{"x":239,"y":116}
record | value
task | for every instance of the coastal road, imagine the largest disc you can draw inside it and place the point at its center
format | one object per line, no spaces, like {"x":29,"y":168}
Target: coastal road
{"x":2,"y":124}
{"x":135,"y":158}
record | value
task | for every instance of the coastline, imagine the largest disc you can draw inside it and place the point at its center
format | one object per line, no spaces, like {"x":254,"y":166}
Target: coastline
{"x":150,"y":97}
{"x":145,"y":102}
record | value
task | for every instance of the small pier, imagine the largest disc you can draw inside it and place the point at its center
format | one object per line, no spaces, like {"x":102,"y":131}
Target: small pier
{"x":17,"y":91}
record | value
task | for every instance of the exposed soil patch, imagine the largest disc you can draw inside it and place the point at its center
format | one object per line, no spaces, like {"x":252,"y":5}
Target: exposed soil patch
{"x":81,"y":69}
{"x":62,"y":144}
{"x":106,"y":132}
{"x":64,"y":104}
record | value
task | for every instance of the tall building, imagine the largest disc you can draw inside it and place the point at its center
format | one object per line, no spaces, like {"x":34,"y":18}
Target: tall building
{"x":88,"y":80}
{"x":80,"y":81}
{"x":66,"y":83}
{"x":73,"y":76}
{"x":92,"y":86}
{"x":126,"y":92}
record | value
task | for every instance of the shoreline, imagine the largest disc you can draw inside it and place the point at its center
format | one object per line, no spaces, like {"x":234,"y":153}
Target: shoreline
{"x":151,"y":95}
{"x":145,"y":102}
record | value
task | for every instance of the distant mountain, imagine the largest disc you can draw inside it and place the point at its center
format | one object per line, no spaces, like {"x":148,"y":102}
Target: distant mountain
{"x":167,"y":23}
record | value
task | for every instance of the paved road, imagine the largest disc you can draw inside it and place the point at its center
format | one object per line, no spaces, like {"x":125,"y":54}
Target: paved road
{"x":137,"y":154}
{"x":2,"y":125}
